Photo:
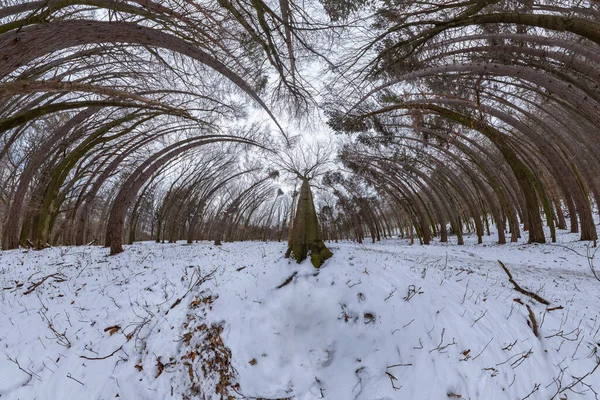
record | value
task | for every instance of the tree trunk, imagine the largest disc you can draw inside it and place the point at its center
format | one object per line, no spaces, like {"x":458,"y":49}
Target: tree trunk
{"x":306,"y":237}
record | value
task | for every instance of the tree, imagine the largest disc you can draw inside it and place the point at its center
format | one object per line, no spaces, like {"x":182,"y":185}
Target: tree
{"x":306,"y":237}
{"x":306,"y":163}
{"x":486,"y":81}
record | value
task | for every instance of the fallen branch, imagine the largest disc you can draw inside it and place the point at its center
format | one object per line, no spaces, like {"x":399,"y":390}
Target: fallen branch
{"x":399,"y":365}
{"x":520,"y":289}
{"x":58,"y":277}
{"x":30,"y":373}
{"x":198,"y":282}
{"x":534,"y":324}
{"x":392,"y":379}
{"x":105,"y":357}
{"x":61,"y":338}
{"x":580,"y":379}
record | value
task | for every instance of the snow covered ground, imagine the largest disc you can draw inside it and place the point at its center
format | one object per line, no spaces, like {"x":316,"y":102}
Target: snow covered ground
{"x":378,"y":321}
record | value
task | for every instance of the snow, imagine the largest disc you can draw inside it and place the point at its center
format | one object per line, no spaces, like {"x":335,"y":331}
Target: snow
{"x":376,"y":322}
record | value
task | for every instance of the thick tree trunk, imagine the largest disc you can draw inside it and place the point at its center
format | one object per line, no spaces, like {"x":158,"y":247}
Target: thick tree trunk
{"x":306,"y":237}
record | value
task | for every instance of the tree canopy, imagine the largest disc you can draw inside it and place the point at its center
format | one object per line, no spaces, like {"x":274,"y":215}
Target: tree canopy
{"x":136,"y":120}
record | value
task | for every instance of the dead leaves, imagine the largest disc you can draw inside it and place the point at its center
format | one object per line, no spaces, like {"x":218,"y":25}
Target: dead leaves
{"x":466,"y":354}
{"x":191,"y":355}
{"x":203,"y":301}
{"x":190,"y":371}
{"x":205,"y":356}
{"x":368,"y":317}
{"x":214,"y":359}
{"x":160,"y":367}
{"x":112,"y":329}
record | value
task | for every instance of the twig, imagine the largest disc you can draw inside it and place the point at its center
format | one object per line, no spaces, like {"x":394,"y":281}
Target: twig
{"x":488,"y":343}
{"x":105,"y":357}
{"x":510,"y":346}
{"x":61,"y":338}
{"x":198,"y":282}
{"x":390,"y":295}
{"x":411,"y":292}
{"x":399,"y":365}
{"x":58,"y":277}
{"x":482,"y":315}
{"x":536,"y":387}
{"x":71,"y":377}
{"x":392,"y":379}
{"x":579,"y":380}
{"x":287,"y":281}
{"x":16,"y":361}
{"x":440,"y":347}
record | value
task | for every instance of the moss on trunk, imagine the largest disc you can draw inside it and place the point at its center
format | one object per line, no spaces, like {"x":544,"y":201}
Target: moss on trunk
{"x":305,"y":236}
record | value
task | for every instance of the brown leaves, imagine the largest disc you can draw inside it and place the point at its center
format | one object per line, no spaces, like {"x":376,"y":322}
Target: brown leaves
{"x":466,"y":354}
{"x":112,"y":329}
{"x":191,"y":355}
{"x":206,"y":300}
{"x":252,"y":362}
{"x":190,"y":371}
{"x":159,"y":367}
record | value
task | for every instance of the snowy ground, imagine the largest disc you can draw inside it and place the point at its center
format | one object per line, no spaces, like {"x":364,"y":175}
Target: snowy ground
{"x":378,"y":321}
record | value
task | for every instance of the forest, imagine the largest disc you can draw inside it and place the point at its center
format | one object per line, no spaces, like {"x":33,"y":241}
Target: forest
{"x":275,"y":199}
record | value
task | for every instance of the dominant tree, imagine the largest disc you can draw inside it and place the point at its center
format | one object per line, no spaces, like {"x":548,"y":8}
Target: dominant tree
{"x":306,"y":163}
{"x":305,"y":237}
